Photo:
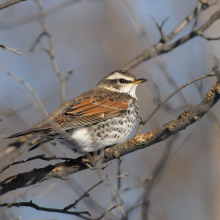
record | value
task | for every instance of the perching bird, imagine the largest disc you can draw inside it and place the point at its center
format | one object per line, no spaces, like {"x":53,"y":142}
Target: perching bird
{"x":100,"y":117}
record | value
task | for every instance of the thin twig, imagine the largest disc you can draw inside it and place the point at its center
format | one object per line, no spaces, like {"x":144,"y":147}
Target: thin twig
{"x":29,"y":88}
{"x":9,"y":3}
{"x":41,"y":157}
{"x":13,"y":114}
{"x":150,"y":181}
{"x":162,"y":47}
{"x":111,"y":190}
{"x":159,"y":27}
{"x":37,"y":41}
{"x":106,"y":213}
{"x":142,"y":33}
{"x":51,"y":52}
{"x":210,"y":38}
{"x":142,"y":123}
{"x":136,"y":23}
{"x":79,"y":190}
{"x":19,"y":151}
{"x":8,"y":48}
{"x":59,"y":147}
{"x":31,"y":100}
{"x":37,"y":207}
{"x":31,"y":18}
{"x":17,"y":197}
{"x":200,"y":5}
{"x":73,"y":205}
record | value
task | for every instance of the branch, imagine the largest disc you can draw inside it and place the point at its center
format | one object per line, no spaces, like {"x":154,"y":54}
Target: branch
{"x":104,"y":214}
{"x":210,"y":38}
{"x":42,"y":157}
{"x":31,"y":18}
{"x":160,"y":47}
{"x":51,"y":52}
{"x":12,"y":147}
{"x":62,"y":170}
{"x":9,"y":3}
{"x":159,"y":27}
{"x":73,"y":205}
{"x":38,"y":101}
{"x":7,"y":48}
{"x":150,"y":181}
{"x":214,"y":72}
{"x":37,"y":207}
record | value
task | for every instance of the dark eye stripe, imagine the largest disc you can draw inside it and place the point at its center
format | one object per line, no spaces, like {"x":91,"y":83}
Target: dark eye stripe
{"x":124,"y":81}
{"x":116,"y":81}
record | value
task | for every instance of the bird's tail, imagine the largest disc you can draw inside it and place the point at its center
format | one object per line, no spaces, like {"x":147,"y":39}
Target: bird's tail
{"x":41,"y":141}
{"x":37,"y":130}
{"x":30,"y":131}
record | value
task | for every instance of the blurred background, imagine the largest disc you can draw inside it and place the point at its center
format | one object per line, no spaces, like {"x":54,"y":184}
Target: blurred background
{"x":94,"y":38}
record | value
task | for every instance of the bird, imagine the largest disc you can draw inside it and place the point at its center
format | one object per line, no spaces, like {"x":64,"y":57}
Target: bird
{"x":101,"y":117}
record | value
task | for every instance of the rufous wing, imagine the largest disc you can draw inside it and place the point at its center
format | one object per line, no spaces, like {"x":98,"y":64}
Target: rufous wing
{"x":90,"y":110}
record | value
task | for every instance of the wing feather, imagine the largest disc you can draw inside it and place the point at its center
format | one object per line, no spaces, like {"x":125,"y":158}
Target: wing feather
{"x":98,"y":106}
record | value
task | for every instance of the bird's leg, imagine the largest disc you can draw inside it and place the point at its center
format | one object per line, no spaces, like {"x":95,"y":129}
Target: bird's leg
{"x":97,"y":167}
{"x":97,"y":163}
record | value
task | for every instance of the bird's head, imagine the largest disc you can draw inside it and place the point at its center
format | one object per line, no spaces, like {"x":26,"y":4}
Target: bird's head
{"x":121,"y":81}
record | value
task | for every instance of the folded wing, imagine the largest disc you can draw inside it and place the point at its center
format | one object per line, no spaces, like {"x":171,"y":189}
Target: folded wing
{"x":94,"y":108}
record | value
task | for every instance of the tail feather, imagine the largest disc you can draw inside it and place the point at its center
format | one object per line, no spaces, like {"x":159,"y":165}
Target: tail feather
{"x":41,"y":141}
{"x":30,"y":131}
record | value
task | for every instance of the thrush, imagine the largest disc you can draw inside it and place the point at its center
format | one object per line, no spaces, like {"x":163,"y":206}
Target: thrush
{"x":98,"y":118}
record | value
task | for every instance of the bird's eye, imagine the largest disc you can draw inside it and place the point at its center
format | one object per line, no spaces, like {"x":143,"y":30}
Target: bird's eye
{"x":121,"y":80}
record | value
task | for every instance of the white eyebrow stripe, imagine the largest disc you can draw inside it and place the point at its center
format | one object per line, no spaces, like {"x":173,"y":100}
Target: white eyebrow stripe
{"x":117,"y":75}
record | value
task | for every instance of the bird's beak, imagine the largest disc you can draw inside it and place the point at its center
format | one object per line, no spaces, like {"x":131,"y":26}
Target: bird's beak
{"x":138,"y":81}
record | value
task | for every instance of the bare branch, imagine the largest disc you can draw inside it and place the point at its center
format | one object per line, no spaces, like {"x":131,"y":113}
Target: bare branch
{"x":37,"y":207}
{"x":143,"y":36}
{"x":12,"y":147}
{"x":201,"y":5}
{"x":42,"y":157}
{"x":32,"y":101}
{"x":17,"y":197}
{"x":160,"y":47}
{"x":106,"y":213}
{"x":7,"y":48}
{"x":210,"y":38}
{"x":51,"y":10}
{"x":37,"y":41}
{"x":159,"y":27}
{"x":51,"y":52}
{"x":29,"y":88}
{"x":59,"y":147}
{"x":73,"y":205}
{"x":137,"y":24}
{"x":149,"y":183}
{"x":9,"y":3}
{"x":142,"y":123}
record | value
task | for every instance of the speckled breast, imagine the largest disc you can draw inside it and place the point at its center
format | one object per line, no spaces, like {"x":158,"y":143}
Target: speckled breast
{"x":112,"y":131}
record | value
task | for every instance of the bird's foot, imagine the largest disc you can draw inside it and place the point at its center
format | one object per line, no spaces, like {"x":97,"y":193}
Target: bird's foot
{"x":97,"y":166}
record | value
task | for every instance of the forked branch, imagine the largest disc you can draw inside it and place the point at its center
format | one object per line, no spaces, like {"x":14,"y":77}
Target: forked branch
{"x":162,"y":46}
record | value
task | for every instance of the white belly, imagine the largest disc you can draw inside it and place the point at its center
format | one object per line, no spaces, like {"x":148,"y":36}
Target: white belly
{"x":103,"y":134}
{"x":96,"y":137}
